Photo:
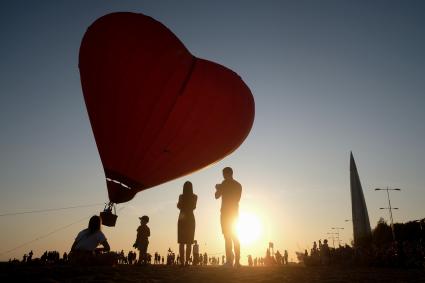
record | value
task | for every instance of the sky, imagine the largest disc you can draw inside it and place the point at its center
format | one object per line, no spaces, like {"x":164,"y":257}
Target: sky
{"x":328,"y":77}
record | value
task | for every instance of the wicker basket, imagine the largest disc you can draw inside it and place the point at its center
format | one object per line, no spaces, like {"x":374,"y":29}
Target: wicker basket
{"x":108,"y":218}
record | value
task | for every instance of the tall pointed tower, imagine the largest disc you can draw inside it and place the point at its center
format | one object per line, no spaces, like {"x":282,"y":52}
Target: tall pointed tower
{"x":360,"y":217}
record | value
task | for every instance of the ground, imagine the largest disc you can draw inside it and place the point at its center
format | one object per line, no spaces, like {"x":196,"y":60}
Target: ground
{"x":127,"y":273}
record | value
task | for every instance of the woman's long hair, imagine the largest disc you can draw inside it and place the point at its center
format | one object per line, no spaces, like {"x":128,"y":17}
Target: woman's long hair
{"x":187,"y":189}
{"x":188,"y":199}
{"x":94,"y":224}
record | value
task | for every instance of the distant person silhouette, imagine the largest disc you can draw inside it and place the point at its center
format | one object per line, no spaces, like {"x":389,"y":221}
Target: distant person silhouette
{"x":89,"y":239}
{"x":30,"y":256}
{"x":131,"y":257}
{"x":142,"y":242}
{"x":285,"y":257}
{"x":279,"y":258}
{"x":230,"y":192}
{"x":205,"y":258}
{"x":186,"y":223}
{"x":314,"y":250}
{"x":195,"y":253}
{"x":325,"y":253}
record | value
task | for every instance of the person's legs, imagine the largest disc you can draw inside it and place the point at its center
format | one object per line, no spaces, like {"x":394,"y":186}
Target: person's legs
{"x":188,"y":252}
{"x":237,"y":248}
{"x":226,"y":227}
{"x":145,"y":254}
{"x":181,"y":251}
{"x":229,"y":252}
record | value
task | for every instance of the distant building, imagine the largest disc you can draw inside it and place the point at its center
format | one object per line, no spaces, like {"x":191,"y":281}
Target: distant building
{"x":360,"y":217}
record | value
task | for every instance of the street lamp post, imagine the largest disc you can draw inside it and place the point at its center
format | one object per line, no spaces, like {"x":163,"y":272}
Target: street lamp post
{"x":389,"y":207}
{"x":349,"y":220}
{"x":337,"y":233}
{"x":333,"y":238}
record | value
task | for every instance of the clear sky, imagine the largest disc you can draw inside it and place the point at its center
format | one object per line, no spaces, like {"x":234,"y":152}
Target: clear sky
{"x":327,"y":77}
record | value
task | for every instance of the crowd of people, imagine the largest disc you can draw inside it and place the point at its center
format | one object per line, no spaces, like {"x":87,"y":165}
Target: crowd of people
{"x":270,"y":258}
{"x":91,"y":245}
{"x":48,"y":257}
{"x":320,"y":254}
{"x":53,"y":257}
{"x":381,"y":250}
{"x":403,"y":248}
{"x":398,"y":254}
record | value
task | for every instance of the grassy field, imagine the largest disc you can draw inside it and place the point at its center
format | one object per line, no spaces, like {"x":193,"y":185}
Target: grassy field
{"x":127,"y":273}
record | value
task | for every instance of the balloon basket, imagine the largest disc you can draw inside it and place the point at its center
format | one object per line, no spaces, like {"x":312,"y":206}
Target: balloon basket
{"x":108,"y":218}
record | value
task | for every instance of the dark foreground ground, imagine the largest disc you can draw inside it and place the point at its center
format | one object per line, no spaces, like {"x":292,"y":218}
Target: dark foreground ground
{"x":127,"y":273}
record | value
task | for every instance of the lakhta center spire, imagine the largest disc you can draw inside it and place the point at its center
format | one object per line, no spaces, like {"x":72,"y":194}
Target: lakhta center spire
{"x":360,"y":217}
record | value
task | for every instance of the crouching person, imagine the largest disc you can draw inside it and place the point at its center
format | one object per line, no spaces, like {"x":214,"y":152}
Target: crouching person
{"x":85,"y":249}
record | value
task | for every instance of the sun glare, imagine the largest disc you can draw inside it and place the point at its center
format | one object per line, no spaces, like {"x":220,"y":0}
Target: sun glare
{"x":248,"y":228}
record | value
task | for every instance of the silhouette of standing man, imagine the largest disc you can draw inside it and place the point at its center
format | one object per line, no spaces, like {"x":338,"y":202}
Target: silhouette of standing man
{"x":230,"y":192}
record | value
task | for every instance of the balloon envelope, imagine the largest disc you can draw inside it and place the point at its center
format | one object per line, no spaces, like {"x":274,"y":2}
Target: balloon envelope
{"x":157,"y":112}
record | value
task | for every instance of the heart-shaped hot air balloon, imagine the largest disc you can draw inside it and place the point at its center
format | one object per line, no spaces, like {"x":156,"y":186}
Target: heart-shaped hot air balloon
{"x":157,"y":112}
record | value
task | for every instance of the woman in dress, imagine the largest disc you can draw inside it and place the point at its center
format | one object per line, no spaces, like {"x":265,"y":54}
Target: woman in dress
{"x":186,"y":222}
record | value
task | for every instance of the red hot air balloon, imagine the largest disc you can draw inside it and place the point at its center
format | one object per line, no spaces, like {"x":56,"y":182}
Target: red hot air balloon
{"x":157,"y":112}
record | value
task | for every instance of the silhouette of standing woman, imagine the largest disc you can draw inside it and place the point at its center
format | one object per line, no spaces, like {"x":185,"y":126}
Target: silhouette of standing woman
{"x":230,"y":192}
{"x":186,"y":222}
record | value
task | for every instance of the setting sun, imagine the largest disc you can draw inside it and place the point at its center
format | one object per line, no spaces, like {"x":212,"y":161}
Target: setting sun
{"x":248,"y":228}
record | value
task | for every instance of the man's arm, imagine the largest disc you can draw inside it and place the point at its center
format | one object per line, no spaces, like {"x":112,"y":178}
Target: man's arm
{"x":73,"y":245}
{"x":218,"y":191}
{"x":179,"y":204}
{"x":76,"y":241}
{"x":239,"y":193}
{"x":106,"y":246}
{"x":194,"y":202}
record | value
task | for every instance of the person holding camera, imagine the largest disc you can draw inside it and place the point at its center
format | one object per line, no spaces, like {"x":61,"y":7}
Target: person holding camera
{"x":230,"y":192}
